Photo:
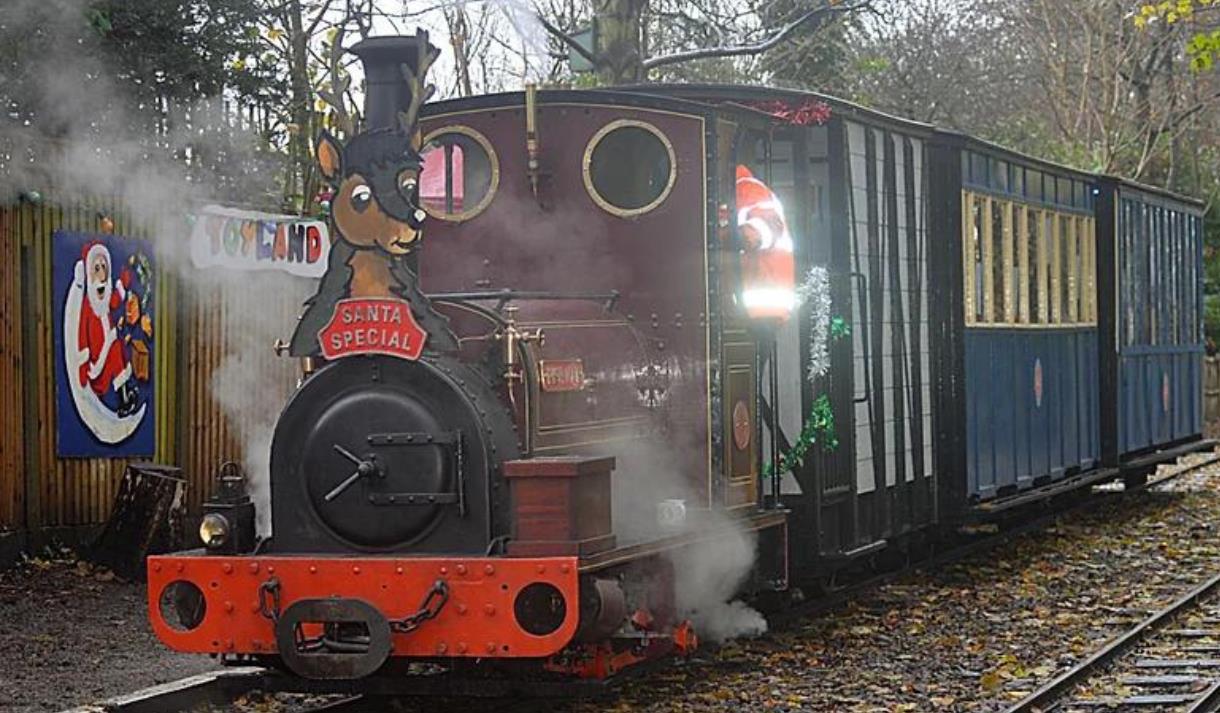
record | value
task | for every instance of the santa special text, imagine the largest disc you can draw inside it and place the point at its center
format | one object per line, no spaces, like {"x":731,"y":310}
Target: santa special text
{"x":371,"y":325}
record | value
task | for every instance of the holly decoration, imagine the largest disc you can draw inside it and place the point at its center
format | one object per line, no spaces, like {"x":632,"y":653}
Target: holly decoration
{"x":819,"y":428}
{"x":820,"y":423}
{"x":839,"y":328}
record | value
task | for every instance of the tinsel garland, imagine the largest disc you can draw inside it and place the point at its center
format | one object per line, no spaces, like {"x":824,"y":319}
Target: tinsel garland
{"x":819,"y":425}
{"x":811,"y":112}
{"x":819,"y":428}
{"x":814,"y":295}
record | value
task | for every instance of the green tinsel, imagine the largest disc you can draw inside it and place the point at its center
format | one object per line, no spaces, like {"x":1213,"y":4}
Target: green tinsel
{"x":819,"y":428}
{"x":819,"y":425}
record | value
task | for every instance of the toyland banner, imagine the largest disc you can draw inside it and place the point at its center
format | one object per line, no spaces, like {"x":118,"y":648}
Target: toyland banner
{"x":246,"y":240}
{"x":103,"y":314}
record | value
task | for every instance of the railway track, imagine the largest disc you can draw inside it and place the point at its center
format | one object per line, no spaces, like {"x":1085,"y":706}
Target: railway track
{"x":1168,"y":662}
{"x":977,"y":545}
{"x":214,"y":691}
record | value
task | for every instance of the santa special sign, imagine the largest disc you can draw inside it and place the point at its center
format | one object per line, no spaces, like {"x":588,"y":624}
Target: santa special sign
{"x":372,"y":326}
{"x":245,"y":240}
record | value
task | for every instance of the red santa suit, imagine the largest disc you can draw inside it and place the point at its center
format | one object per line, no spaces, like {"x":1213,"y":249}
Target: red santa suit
{"x":768,"y":263}
{"x":107,"y":365}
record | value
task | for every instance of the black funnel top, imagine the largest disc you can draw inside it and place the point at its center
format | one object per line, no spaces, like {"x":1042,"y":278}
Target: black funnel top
{"x":387,"y":92}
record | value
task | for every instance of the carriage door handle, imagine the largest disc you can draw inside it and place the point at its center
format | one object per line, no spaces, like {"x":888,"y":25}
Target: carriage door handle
{"x":864,"y":340}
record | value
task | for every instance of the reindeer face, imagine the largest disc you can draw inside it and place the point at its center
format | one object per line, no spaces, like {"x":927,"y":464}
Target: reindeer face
{"x":377,"y":178}
{"x":363,"y":222}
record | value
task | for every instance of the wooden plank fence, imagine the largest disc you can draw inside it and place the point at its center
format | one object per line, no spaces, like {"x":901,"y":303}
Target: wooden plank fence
{"x":37,"y":488}
{"x":198,"y":326}
{"x":1211,"y":396}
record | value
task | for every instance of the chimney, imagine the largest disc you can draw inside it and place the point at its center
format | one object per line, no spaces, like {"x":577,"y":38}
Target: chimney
{"x":386,"y":90}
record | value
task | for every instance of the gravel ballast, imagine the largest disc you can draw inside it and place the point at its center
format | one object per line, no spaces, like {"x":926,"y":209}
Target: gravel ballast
{"x":975,"y":635}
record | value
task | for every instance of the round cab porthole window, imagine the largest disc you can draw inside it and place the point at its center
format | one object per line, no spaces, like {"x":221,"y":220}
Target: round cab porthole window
{"x":629,"y":167}
{"x":460,"y":173}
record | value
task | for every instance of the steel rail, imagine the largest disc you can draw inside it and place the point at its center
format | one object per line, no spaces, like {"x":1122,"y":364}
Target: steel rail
{"x":224,"y":686}
{"x":833,"y":600}
{"x":1041,"y":699}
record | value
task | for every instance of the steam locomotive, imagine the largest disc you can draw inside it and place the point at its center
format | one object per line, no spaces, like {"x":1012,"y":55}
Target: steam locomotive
{"x":511,"y":438}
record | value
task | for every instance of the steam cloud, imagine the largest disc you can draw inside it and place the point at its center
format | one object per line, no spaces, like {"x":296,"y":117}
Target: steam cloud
{"x":100,"y":149}
{"x":707,"y":575}
{"x":251,"y":384}
{"x":83,"y":141}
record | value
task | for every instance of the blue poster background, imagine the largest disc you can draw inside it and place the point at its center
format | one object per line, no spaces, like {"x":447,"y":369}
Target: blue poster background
{"x":88,"y":424}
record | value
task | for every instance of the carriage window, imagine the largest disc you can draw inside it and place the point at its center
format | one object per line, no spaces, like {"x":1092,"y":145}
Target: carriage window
{"x":629,"y":167}
{"x":1036,"y":255}
{"x":1025,"y":266}
{"x":460,"y":173}
{"x":1020,"y":266}
{"x":999,"y":281}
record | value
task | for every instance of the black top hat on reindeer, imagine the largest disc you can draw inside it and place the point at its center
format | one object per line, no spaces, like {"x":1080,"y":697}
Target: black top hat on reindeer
{"x":375,"y":212}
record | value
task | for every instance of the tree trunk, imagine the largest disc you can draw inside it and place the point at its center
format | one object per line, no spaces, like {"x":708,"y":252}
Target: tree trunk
{"x":459,"y":34}
{"x":302,"y":109}
{"x":620,"y":51}
{"x":146,"y":519}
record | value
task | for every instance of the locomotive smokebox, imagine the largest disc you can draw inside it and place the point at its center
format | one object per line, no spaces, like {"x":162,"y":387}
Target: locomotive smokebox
{"x":387,"y":92}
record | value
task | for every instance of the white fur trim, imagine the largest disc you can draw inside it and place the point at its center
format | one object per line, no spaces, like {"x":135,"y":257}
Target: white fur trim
{"x":764,"y":232}
{"x":95,"y":369}
{"x":769,"y":298}
{"x":99,"y":249}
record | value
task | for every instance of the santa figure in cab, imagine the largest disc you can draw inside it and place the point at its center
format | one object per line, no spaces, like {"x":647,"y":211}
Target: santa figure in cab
{"x":768,"y":264}
{"x":107,"y":366}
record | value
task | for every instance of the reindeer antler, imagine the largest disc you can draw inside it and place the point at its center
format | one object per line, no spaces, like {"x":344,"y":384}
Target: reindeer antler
{"x":339,"y":83}
{"x":420,"y":91}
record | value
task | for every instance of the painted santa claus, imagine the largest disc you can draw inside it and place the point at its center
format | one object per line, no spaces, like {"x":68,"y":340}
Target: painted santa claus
{"x":105,"y":367}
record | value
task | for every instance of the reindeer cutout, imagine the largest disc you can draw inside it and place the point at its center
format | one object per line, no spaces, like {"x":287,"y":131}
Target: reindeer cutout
{"x":376,"y":217}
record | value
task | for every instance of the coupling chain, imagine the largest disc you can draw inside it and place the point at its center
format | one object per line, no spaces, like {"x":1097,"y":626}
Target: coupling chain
{"x":434,"y":601}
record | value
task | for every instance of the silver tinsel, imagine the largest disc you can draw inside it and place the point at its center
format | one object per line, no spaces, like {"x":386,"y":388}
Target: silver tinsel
{"x":814,"y":293}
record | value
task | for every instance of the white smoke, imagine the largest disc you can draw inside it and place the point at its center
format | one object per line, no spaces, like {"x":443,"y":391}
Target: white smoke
{"x":708,"y":575}
{"x":89,"y":138}
{"x":251,"y":383}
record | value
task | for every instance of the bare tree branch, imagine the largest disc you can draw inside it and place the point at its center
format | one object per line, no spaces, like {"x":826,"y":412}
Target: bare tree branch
{"x":565,"y":38}
{"x":313,"y":26}
{"x":758,"y":47}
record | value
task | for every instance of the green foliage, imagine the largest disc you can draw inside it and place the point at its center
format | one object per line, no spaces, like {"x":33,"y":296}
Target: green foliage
{"x":99,"y":21}
{"x":134,"y":83}
{"x":1204,"y":47}
{"x":1211,"y":317}
{"x":185,"y":48}
{"x":819,"y":428}
{"x":815,"y":56}
{"x":1204,"y":50}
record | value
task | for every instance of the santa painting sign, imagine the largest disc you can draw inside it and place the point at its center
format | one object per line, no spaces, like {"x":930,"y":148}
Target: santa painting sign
{"x":103,"y":307}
